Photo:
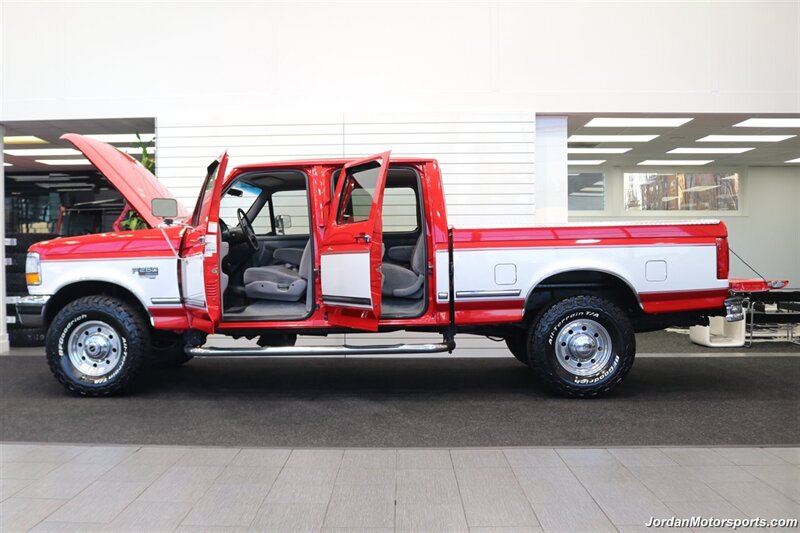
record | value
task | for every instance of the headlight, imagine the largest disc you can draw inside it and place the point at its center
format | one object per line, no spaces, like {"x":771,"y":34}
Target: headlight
{"x":33,"y":269}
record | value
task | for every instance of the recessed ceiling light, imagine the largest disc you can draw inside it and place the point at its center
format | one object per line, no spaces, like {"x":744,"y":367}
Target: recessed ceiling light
{"x":23,"y":139}
{"x":7,"y":164}
{"x":578,"y":162}
{"x":736,"y":150}
{"x":39,"y":152}
{"x":636,"y":122}
{"x":592,"y":189}
{"x":63,"y":185}
{"x":673,"y":162}
{"x":63,"y":162}
{"x":122,"y":138}
{"x":744,"y":138}
{"x":611,"y":138}
{"x":598,"y":150}
{"x":793,"y":160}
{"x":769,"y":123}
{"x":136,"y":150}
{"x":40,"y":178}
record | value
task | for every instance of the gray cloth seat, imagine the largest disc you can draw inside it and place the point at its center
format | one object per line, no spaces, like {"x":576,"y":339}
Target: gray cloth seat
{"x":279,"y":282}
{"x":402,"y":282}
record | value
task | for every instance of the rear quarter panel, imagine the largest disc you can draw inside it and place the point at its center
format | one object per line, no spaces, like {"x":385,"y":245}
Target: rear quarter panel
{"x":670,"y":267}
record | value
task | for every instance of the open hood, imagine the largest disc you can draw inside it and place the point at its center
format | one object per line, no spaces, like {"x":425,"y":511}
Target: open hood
{"x":134,"y":182}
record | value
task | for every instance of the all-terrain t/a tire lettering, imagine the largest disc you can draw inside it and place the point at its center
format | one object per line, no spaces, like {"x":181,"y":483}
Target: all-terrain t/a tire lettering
{"x":96,"y":345}
{"x":582,"y":346}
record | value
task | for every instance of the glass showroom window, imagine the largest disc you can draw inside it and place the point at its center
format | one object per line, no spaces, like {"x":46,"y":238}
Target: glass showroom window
{"x":681,"y":191}
{"x":586,"y":191}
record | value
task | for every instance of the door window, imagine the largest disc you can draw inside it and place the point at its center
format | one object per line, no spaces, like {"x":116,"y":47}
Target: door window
{"x":292,"y":206}
{"x":211,"y":178}
{"x":357,"y":193}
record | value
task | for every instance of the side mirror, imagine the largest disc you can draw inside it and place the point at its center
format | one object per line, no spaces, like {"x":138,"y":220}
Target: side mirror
{"x":283,"y":222}
{"x":164,"y":207}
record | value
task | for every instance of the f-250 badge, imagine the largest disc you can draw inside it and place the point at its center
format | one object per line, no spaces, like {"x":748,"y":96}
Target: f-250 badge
{"x":145,"y":272}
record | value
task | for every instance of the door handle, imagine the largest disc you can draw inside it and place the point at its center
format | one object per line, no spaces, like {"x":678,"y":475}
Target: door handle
{"x":363,"y":236}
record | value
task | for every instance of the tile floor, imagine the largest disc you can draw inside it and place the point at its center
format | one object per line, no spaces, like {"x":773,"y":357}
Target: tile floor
{"x":132,"y":488}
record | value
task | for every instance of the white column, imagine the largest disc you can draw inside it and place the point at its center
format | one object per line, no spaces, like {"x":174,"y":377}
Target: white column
{"x":551,"y":170}
{"x":4,"y":347}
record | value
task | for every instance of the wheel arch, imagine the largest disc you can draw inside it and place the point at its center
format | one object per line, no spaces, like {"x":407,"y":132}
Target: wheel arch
{"x":573,"y":281}
{"x":73,"y":291}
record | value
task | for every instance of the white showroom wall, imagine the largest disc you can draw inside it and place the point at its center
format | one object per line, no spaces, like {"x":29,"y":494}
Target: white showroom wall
{"x":208,"y":60}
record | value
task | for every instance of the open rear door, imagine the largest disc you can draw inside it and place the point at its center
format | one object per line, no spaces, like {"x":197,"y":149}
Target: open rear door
{"x":352,"y":245}
{"x":200,"y":274}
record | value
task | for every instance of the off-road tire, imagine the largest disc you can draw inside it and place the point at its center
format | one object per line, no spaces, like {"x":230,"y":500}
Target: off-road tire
{"x":518,"y":346}
{"x":134,"y":342}
{"x":26,"y":337}
{"x":168,"y":350}
{"x":552,"y":322}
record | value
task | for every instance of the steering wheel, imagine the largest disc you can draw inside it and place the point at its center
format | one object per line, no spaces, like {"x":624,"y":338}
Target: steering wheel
{"x":247,"y":230}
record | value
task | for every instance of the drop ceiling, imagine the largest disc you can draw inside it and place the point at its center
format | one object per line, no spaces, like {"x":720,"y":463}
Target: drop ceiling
{"x":686,"y":136}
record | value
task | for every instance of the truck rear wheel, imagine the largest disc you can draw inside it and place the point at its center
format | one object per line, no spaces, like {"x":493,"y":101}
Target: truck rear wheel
{"x":96,"y":344}
{"x":582,"y":346}
{"x":518,"y":346}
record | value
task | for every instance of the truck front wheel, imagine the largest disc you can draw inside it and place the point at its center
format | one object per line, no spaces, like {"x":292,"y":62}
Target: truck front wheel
{"x":582,"y":346}
{"x":96,"y":345}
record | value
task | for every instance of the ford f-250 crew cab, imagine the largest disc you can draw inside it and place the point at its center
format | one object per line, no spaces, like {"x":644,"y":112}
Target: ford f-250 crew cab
{"x":274,"y":250}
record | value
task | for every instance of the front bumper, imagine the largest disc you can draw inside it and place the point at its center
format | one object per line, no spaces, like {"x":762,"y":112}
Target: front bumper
{"x":31,"y":310}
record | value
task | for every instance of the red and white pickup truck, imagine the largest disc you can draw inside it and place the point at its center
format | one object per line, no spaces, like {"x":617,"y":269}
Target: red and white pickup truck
{"x":363,"y":245}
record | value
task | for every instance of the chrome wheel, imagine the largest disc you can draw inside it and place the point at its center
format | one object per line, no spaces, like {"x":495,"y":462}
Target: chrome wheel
{"x":94,"y":348}
{"x":583,"y":347}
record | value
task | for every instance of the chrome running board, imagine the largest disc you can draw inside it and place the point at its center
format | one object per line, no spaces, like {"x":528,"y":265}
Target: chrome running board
{"x":282,"y":351}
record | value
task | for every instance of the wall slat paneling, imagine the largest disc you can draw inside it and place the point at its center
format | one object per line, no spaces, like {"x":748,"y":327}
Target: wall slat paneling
{"x":487,"y":159}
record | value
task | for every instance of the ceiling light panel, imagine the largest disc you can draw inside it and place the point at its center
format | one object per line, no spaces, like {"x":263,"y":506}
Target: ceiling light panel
{"x":41,"y":152}
{"x":23,"y":139}
{"x":793,"y":160}
{"x":636,"y":122}
{"x":730,"y":150}
{"x":611,"y":138}
{"x":769,"y":123}
{"x":675,"y":162}
{"x":744,"y":138}
{"x":63,"y":162}
{"x":122,"y":138}
{"x":580,"y":162}
{"x":598,"y":150}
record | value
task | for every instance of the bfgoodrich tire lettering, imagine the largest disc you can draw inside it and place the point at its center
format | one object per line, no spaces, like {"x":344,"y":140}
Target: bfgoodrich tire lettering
{"x":106,"y":363}
{"x":582,"y":346}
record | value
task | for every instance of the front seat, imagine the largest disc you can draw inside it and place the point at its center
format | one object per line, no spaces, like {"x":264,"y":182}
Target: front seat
{"x":279,"y":282}
{"x":402,"y":282}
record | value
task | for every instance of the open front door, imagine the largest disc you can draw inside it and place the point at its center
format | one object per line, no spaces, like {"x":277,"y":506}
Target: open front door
{"x":352,"y":245}
{"x":200,"y":274}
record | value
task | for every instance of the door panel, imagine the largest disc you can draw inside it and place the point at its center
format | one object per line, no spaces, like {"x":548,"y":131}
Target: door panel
{"x":352,"y":245}
{"x":200,"y":268}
